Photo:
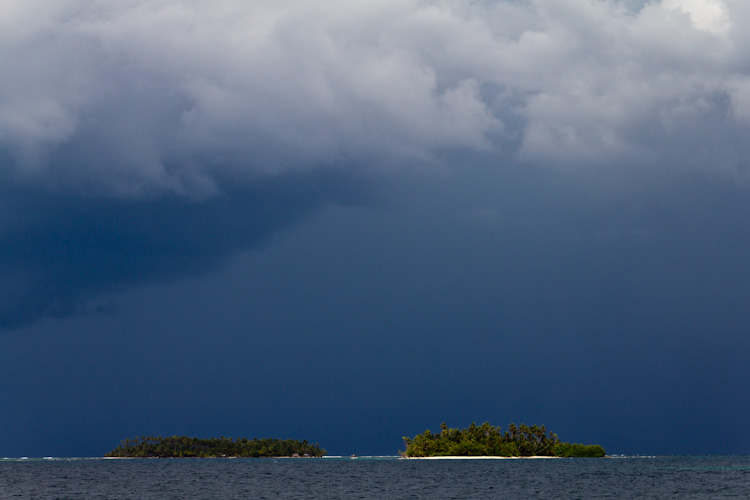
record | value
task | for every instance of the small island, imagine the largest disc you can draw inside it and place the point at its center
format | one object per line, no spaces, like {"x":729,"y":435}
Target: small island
{"x":190,"y":447}
{"x":490,"y":441}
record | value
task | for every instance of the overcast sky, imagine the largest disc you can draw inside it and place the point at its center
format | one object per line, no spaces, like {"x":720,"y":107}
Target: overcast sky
{"x":348,"y":221}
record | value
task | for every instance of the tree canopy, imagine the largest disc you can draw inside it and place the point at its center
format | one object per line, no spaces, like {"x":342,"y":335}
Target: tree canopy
{"x":488,"y":440}
{"x":183,"y":446}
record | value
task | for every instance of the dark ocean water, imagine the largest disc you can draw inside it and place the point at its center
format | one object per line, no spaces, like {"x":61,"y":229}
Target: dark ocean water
{"x":613,"y":478}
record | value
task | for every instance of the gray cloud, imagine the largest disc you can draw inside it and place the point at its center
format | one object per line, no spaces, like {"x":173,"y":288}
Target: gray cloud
{"x":142,"y":97}
{"x":200,"y":112}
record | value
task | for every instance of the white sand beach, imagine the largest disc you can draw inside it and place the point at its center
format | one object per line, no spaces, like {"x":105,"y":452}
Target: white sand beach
{"x":483,"y":457}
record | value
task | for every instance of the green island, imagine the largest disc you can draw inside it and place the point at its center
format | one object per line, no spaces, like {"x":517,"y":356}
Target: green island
{"x":190,"y":447}
{"x":487,"y":440}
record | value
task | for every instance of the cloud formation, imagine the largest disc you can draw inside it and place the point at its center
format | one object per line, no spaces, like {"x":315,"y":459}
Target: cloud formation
{"x":128,"y":104}
{"x":135,"y":97}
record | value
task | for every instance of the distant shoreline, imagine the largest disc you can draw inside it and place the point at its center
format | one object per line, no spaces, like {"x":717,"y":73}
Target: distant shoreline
{"x":192,"y":458}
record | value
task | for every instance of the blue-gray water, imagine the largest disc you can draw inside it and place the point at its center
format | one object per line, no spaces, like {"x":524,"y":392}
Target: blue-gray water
{"x":611,"y":478}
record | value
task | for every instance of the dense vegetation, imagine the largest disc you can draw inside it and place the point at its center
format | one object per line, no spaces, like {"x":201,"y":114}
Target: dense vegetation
{"x":486,"y":440}
{"x":183,"y":446}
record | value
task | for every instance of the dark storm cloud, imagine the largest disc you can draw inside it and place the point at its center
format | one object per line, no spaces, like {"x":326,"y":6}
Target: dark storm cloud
{"x":58,"y":250}
{"x":146,"y":140}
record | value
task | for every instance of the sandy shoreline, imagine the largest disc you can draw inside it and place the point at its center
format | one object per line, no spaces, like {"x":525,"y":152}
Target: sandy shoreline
{"x":483,"y":457}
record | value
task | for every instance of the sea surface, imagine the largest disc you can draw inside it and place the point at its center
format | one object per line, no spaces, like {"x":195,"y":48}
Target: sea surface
{"x":679,"y":477}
